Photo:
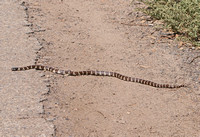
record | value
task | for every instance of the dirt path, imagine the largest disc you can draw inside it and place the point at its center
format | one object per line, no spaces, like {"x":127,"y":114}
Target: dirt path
{"x":20,"y":93}
{"x":101,"y":35}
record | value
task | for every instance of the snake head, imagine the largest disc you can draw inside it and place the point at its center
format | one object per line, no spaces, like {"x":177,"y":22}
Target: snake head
{"x":14,"y":69}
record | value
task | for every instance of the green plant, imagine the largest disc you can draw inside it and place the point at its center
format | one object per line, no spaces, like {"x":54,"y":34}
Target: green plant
{"x":182,"y":16}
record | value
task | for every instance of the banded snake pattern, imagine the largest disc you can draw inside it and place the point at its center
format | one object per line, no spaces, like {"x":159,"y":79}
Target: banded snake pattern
{"x":96,"y":73}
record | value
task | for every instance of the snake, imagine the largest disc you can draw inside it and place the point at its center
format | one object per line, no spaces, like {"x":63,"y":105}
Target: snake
{"x":96,"y":73}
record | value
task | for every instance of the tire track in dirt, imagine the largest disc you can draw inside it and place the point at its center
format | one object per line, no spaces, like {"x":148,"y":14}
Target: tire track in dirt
{"x":85,"y":34}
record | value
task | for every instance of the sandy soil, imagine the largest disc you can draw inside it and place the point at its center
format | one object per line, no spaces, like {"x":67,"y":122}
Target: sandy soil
{"x":110,"y":35}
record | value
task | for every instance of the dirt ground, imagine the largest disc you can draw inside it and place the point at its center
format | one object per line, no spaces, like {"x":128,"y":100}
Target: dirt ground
{"x":110,"y":35}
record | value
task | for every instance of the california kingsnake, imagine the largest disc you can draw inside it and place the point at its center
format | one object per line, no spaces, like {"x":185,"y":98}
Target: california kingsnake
{"x":96,"y":73}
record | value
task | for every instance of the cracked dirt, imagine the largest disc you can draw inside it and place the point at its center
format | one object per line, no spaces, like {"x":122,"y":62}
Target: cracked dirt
{"x":108,"y":35}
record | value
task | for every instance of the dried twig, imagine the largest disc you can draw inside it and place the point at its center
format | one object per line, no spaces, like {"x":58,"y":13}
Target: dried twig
{"x":193,"y":59}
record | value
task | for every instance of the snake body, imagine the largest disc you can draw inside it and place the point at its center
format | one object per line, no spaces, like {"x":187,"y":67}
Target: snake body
{"x":96,"y":73}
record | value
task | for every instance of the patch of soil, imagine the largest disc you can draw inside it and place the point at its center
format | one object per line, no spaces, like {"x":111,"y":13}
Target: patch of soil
{"x":110,"y":35}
